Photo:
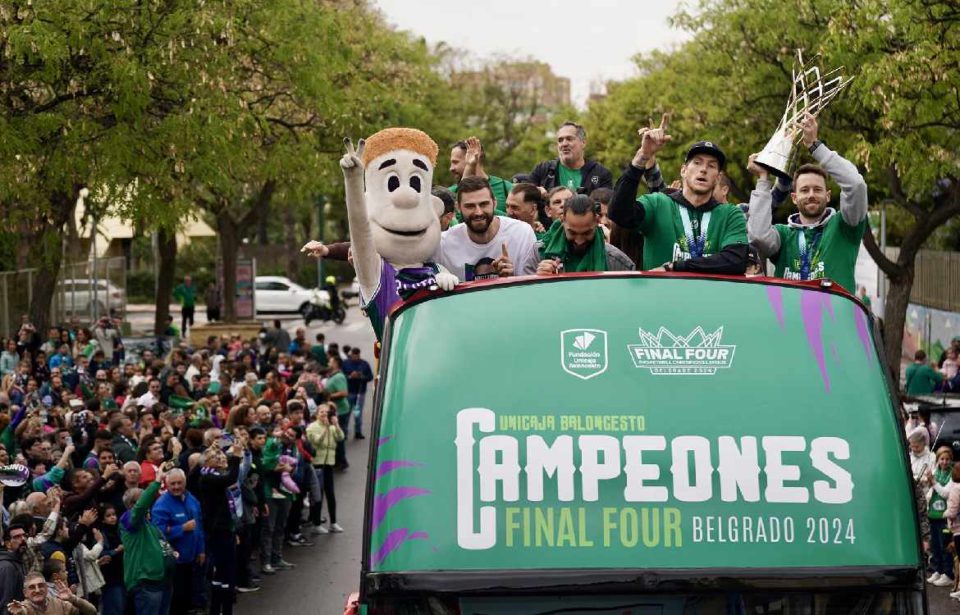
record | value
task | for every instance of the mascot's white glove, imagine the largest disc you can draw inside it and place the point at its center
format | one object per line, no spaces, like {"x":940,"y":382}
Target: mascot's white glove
{"x":446,"y":280}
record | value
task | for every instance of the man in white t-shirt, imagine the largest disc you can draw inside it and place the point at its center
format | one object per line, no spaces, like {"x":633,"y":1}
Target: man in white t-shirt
{"x":152,"y":396}
{"x":485,"y":246}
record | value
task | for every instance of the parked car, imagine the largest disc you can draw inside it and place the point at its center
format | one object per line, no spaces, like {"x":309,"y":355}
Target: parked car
{"x":276,"y":293}
{"x":78,"y":295}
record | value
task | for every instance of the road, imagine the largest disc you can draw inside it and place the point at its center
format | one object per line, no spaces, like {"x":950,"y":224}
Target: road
{"x":940,"y":601}
{"x":330,"y":569}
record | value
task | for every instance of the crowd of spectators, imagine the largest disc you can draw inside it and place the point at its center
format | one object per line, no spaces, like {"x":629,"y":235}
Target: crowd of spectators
{"x":155,"y":483}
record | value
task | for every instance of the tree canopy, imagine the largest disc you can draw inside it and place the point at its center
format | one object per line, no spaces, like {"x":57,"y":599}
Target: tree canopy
{"x":898,"y":120}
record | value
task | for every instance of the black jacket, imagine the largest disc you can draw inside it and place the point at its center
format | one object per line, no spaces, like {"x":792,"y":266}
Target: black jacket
{"x":11,"y":579}
{"x":593,"y":175}
{"x":214,"y":499}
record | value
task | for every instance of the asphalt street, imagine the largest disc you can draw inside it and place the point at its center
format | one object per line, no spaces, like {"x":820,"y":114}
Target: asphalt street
{"x":329,"y":570}
{"x":940,"y":601}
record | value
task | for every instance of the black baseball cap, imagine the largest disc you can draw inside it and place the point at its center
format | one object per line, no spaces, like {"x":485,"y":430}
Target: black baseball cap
{"x":707,"y":147}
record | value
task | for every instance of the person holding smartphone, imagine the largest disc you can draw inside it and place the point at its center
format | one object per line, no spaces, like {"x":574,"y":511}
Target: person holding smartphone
{"x":324,"y":434}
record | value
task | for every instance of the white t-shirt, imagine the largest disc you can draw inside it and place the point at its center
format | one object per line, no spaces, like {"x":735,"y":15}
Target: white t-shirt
{"x":474,"y":261}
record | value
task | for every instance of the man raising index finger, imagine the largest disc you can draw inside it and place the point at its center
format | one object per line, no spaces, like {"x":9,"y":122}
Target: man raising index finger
{"x":687,"y":230}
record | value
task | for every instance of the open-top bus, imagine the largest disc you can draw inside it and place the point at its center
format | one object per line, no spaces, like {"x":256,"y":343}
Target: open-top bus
{"x":637,"y":443}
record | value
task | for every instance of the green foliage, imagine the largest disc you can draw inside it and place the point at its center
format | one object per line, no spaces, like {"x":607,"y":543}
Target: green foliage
{"x":141,"y":286}
{"x":898,"y":120}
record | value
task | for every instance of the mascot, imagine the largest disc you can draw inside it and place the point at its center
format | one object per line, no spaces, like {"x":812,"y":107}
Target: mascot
{"x":395,"y":221}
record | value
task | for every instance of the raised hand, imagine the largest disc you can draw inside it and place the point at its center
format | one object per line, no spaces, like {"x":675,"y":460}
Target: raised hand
{"x":17,"y":607}
{"x":755,"y":168}
{"x":504,"y":265}
{"x":809,"y":128}
{"x":351,"y":162}
{"x":651,"y":141}
{"x":63,"y":592}
{"x":473,"y":152}
{"x":316,"y":249}
{"x":110,"y":470}
{"x":88,"y":517}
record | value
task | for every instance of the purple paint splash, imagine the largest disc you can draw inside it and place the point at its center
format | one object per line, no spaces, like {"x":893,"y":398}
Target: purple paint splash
{"x":861,"y":322}
{"x":385,"y":467}
{"x":382,"y":503}
{"x":383,"y":440}
{"x":812,"y":305}
{"x":775,"y":295}
{"x":394,"y":540}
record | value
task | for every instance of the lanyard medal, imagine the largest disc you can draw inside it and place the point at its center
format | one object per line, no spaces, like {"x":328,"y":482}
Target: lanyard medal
{"x":695,"y":244}
{"x":806,"y":254}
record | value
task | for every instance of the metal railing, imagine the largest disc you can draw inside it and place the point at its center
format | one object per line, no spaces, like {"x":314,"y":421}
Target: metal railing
{"x":85,"y":291}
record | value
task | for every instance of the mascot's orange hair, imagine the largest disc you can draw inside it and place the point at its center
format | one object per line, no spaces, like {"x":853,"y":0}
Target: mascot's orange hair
{"x":390,"y":139}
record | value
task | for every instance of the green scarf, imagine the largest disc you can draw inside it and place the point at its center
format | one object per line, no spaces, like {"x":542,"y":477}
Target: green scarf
{"x":555,"y":245}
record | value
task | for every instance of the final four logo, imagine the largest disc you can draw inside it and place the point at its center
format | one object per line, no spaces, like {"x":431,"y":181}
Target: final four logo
{"x":666,"y":354}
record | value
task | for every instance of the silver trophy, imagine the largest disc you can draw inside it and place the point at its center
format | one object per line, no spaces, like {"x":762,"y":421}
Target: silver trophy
{"x":812,"y":92}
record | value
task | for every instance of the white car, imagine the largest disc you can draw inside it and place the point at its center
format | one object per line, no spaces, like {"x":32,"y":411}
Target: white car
{"x":78,"y":296}
{"x":276,"y":293}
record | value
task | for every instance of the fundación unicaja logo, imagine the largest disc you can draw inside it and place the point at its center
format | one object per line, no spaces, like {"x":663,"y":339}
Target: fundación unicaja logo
{"x":696,"y":354}
{"x":583,"y":352}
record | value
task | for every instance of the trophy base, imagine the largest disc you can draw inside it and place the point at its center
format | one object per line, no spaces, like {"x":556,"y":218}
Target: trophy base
{"x":782,"y":174}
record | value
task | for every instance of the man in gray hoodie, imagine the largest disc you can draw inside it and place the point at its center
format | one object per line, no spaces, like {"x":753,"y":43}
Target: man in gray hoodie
{"x":817,"y":242}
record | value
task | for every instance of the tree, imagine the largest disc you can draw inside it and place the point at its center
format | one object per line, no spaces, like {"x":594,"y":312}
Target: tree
{"x":511,"y":105}
{"x":898,"y":120}
{"x":86,"y":89}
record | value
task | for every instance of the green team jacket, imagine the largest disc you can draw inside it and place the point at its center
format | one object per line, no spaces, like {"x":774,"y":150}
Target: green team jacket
{"x":186,"y":295}
{"x":143,"y":554}
{"x":834,"y":241}
{"x":663,"y":235}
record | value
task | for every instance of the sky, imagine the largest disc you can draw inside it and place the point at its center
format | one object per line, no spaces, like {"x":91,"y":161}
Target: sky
{"x":588,"y":42}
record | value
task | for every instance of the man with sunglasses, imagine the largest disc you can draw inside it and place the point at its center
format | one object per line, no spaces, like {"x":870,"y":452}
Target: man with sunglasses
{"x":575,"y":243}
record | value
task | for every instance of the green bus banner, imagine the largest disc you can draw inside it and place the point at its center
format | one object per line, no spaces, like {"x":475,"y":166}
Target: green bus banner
{"x":639,"y":423}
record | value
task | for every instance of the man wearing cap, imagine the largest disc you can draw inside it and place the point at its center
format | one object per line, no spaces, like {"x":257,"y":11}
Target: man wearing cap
{"x":687,"y":230}
{"x":816,"y":242}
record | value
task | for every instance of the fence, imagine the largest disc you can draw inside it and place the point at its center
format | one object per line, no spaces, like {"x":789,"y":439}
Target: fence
{"x":85,"y":291}
{"x":936,"y":282}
